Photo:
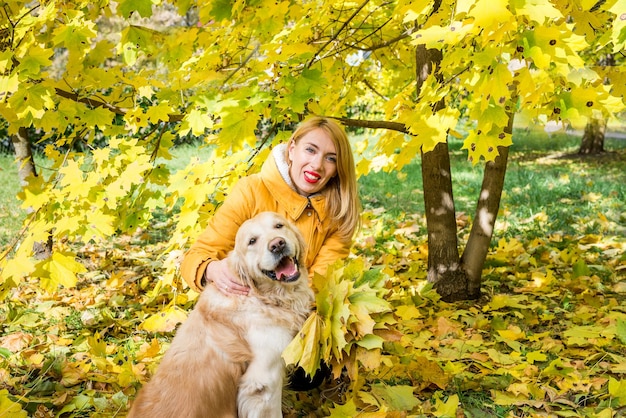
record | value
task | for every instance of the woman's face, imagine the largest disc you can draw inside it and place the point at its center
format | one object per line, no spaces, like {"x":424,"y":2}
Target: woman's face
{"x":313,"y":161}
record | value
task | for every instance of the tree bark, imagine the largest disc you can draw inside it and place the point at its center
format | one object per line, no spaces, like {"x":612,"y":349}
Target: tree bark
{"x":25,"y":169}
{"x":593,"y":138}
{"x":487,"y":208}
{"x":23,"y":156}
{"x":444,"y":267}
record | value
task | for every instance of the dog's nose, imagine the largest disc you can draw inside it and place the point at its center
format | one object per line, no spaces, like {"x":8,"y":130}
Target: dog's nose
{"x":277,"y":245}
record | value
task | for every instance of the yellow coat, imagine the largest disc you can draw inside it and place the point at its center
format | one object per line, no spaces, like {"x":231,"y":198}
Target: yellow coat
{"x":266,"y":191}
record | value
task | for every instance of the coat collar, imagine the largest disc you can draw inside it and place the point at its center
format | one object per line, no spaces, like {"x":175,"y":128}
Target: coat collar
{"x":275,"y":174}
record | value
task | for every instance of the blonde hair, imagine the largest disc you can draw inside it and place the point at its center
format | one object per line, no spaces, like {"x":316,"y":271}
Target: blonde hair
{"x":341,"y":193}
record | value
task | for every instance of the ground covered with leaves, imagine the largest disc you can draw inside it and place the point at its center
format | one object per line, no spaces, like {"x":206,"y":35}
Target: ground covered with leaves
{"x":546,"y":339}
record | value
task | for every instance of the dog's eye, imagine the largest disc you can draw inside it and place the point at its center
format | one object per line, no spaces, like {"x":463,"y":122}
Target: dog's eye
{"x":252,"y":241}
{"x":278,"y":226}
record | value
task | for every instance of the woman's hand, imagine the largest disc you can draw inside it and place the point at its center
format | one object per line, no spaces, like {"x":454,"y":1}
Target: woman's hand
{"x":224,"y":279}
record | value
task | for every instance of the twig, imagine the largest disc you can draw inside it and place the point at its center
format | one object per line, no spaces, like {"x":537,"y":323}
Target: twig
{"x":332,"y":39}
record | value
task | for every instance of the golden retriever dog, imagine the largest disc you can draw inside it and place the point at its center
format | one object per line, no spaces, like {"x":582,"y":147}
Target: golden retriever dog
{"x":225,"y":360}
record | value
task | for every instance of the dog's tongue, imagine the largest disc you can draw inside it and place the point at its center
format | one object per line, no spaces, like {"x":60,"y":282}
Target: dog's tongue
{"x":286,"y":268}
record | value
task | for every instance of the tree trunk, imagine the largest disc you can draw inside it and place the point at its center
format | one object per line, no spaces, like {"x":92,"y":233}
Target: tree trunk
{"x":25,"y":169}
{"x":593,"y":138}
{"x":23,"y":156}
{"x":444,"y":267}
{"x":487,"y":208}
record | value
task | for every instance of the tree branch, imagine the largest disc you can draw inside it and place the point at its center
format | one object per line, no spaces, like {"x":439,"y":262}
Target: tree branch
{"x":99,"y":103}
{"x":358,"y":9}
{"x":373,"y":124}
{"x":391,"y":41}
{"x":90,"y":102}
{"x":376,"y":92}
{"x":241,"y":65}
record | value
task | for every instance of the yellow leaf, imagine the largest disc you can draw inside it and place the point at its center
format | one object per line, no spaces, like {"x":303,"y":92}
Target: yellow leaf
{"x":592,"y":197}
{"x":533,"y":356}
{"x":429,"y":371}
{"x":8,"y":85}
{"x":238,"y":127}
{"x":364,"y":322}
{"x":617,"y":389}
{"x":74,"y":372}
{"x":165,"y":321}
{"x":408,"y":312}
{"x":197,"y":122}
{"x":446,"y":327}
{"x":371,"y":342}
{"x":448,"y":408}
{"x":12,"y":409}
{"x":398,"y":398}
{"x":369,"y":359}
{"x":501,"y":358}
{"x":149,"y":351}
{"x":619,"y":26}
{"x":490,"y":12}
{"x":348,"y":410}
{"x":97,"y":346}
{"x":539,"y":11}
{"x":513,"y":333}
{"x":510,"y":301}
{"x":59,"y":270}
{"x":16,"y":268}
{"x":503,"y":398}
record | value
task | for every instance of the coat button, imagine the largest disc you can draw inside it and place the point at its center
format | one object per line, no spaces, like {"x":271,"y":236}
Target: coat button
{"x":308,"y":213}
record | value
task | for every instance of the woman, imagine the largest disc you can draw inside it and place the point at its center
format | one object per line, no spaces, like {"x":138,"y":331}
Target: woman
{"x":310,"y":180}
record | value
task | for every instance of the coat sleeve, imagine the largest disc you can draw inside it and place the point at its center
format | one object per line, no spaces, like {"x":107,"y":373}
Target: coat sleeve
{"x":334,"y":248}
{"x":218,"y":239}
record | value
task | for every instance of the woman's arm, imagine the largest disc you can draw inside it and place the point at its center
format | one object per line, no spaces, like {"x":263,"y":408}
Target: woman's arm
{"x":217,"y":240}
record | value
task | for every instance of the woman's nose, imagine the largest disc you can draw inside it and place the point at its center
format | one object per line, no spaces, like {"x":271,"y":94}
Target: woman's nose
{"x":316,"y":162}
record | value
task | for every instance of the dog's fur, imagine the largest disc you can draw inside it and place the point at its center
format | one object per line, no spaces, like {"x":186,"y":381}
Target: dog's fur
{"x":225,"y":360}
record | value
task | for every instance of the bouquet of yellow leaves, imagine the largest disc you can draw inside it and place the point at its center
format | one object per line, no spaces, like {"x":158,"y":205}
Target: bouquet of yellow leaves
{"x":350,"y":323}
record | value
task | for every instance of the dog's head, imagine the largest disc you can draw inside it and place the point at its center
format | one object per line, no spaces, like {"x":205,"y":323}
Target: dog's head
{"x":268,"y":247}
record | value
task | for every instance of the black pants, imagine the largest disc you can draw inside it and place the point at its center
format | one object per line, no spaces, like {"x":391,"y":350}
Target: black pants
{"x":299,"y":381}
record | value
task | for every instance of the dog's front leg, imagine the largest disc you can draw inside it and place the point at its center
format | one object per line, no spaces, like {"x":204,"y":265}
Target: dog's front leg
{"x":261,"y":388}
{"x":260,"y":392}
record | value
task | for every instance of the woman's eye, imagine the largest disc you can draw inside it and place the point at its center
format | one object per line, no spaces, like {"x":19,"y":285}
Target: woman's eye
{"x":252,"y":241}
{"x":309,"y":150}
{"x":332,"y":159}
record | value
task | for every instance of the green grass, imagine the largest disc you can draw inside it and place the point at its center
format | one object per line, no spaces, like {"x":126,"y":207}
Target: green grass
{"x":544,"y":179}
{"x":11,"y":215}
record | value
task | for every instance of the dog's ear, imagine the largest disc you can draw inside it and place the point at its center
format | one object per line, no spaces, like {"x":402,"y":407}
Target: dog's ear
{"x":238,"y":266}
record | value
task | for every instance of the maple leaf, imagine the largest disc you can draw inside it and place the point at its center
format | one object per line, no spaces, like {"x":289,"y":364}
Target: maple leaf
{"x":143,"y":7}
{"x":398,"y":398}
{"x":617,"y":389}
{"x":197,"y":122}
{"x":33,"y":101}
{"x":239,"y":126}
{"x":76,"y":35}
{"x":348,"y":409}
{"x":59,"y":270}
{"x":446,"y":408}
{"x":37,"y":57}
{"x":98,"y":117}
{"x":165,"y":321}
